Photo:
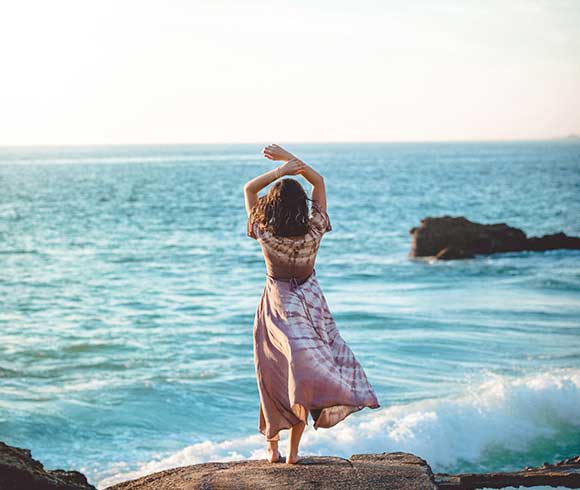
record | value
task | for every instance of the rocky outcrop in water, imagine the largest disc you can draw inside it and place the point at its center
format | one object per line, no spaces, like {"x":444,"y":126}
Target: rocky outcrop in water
{"x":19,"y":471}
{"x":450,"y":238}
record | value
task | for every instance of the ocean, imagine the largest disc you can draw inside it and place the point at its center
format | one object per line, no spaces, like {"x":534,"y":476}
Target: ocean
{"x":128,"y":289}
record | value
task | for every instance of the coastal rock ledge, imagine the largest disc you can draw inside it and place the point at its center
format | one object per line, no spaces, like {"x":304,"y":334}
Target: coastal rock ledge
{"x":394,"y":471}
{"x":385,"y":471}
{"x":450,"y":238}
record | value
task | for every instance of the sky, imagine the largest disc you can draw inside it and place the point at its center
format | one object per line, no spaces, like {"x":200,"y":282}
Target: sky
{"x":221,"y":71}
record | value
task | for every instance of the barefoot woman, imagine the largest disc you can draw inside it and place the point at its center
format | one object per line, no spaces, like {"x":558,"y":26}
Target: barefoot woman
{"x":303,"y":365}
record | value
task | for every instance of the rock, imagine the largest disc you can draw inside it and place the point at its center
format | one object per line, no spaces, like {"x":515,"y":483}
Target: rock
{"x":452,"y":253}
{"x":450,"y":238}
{"x":19,"y":471}
{"x":565,"y":473}
{"x":553,"y":242}
{"x":401,"y":471}
{"x":398,"y":470}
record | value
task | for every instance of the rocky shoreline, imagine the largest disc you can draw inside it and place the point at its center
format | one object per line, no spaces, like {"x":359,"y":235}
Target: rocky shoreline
{"x":393,"y":471}
{"x":20,"y":471}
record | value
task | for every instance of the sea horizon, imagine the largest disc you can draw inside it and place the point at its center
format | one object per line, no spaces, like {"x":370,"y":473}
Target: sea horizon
{"x":573,"y":137}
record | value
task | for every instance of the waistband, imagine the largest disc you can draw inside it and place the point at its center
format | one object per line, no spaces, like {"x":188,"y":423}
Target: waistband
{"x":293,"y":280}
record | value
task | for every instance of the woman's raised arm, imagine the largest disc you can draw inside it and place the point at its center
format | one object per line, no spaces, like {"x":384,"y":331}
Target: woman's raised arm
{"x":252,"y":187}
{"x":275,"y":152}
{"x":318,"y":187}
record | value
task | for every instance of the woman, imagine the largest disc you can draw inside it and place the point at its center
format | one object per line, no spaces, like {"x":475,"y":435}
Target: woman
{"x":303,"y":365}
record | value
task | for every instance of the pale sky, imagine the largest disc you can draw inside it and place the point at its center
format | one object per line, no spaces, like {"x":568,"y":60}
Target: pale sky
{"x":192,"y":71}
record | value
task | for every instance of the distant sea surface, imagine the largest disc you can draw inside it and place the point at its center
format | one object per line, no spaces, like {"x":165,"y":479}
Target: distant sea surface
{"x":128,"y":289}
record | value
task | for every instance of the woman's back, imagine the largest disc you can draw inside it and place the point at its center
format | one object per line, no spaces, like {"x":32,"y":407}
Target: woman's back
{"x":303,"y":365}
{"x":288,"y":257}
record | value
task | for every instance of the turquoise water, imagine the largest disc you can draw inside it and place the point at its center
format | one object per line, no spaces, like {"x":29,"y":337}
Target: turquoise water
{"x":128,"y":289}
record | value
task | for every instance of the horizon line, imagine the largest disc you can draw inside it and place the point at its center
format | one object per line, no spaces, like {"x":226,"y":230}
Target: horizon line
{"x":570,"y":137}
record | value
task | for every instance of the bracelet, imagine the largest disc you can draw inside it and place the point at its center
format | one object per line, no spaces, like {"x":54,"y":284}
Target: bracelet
{"x":278,"y":172}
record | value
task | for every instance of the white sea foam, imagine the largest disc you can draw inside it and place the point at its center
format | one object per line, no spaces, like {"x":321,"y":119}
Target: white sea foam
{"x":502,"y":412}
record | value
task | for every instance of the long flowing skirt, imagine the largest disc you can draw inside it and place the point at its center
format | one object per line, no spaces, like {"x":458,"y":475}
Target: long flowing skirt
{"x":303,"y":365}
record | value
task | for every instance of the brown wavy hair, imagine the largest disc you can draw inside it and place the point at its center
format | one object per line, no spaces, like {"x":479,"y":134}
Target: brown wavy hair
{"x":284,"y":209}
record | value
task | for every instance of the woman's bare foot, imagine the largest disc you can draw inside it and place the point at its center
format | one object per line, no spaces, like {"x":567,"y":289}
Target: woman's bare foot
{"x":294,"y":441}
{"x":273,"y":453}
{"x":293,"y":459}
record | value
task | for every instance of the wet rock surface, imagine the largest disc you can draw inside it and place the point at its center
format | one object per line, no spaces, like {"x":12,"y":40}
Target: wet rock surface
{"x":565,"y":473}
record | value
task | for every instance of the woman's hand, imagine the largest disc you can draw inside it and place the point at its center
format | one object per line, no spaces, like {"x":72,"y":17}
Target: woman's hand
{"x":292,"y":167}
{"x":275,"y":152}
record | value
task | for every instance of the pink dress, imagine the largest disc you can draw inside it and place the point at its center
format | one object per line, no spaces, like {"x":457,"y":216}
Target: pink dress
{"x":303,"y":365}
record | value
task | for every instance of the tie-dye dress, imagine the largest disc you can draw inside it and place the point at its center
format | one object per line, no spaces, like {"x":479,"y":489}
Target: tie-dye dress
{"x":303,"y":365}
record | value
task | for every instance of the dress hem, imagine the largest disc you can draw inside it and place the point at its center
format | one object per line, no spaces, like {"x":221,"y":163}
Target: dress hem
{"x":276,"y":436}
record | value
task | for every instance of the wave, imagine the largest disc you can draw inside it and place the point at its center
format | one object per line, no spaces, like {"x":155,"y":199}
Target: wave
{"x":502,"y":417}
